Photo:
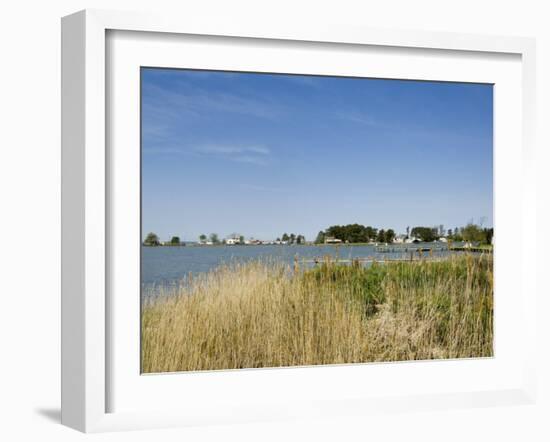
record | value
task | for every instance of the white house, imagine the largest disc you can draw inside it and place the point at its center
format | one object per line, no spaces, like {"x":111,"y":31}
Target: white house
{"x":332,"y":240}
{"x":252,"y":242}
{"x":399,"y":239}
{"x":232,"y":241}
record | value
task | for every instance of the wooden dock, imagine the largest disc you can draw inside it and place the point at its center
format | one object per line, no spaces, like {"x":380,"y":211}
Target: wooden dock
{"x":407,"y":249}
{"x":405,"y":254}
{"x":471,"y":249}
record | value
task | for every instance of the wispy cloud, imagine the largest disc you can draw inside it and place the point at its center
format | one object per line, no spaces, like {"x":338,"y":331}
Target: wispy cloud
{"x":155,"y":130}
{"x":167,"y":150}
{"x":357,"y":117}
{"x":253,"y":154}
{"x":170,"y":105}
{"x":231,"y":150}
{"x":259,"y":155}
{"x":250,"y":160}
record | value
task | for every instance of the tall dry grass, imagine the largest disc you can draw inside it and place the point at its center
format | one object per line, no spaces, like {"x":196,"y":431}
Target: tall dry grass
{"x":257,"y":315}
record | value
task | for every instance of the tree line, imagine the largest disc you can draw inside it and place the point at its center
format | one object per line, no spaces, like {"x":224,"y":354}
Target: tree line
{"x":292,"y":238}
{"x":470,"y":233}
{"x":358,"y":233}
{"x":152,"y":239}
{"x":355,"y":233}
{"x":213,"y":237}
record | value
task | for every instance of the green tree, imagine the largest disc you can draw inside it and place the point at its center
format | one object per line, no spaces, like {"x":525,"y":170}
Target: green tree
{"x":426,"y":234}
{"x":390,"y":235}
{"x":292,"y":238}
{"x":456,"y":236}
{"x":370,"y":233}
{"x":285,"y":237}
{"x":151,"y":240}
{"x":352,"y":233}
{"x":381,"y":237}
{"x":320,"y":238}
{"x":202,"y":238}
{"x":300,"y":239}
{"x":241,"y":239}
{"x":175,"y":241}
{"x":338,"y":232}
{"x":473,"y":233}
{"x":214,"y":238}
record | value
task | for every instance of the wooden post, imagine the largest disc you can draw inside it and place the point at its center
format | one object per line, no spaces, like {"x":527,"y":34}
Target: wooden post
{"x":296,"y":267}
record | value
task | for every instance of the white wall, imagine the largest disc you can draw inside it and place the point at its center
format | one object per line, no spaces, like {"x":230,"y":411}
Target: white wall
{"x":30,"y":200}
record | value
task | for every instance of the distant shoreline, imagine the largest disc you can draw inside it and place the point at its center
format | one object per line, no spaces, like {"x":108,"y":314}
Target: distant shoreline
{"x":459,"y":248}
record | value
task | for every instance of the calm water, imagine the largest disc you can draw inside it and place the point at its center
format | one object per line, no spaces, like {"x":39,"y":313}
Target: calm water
{"x":168,"y":265}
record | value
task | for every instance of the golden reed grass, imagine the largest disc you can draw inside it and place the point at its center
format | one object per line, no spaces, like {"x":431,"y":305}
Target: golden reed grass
{"x":259,"y":315}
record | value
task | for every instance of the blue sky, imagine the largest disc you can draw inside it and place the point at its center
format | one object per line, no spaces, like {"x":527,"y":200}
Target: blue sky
{"x":262,"y":154}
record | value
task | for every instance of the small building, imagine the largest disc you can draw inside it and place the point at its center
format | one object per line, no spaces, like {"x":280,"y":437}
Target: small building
{"x":400,"y":239}
{"x":332,"y":240}
{"x":232,"y":241}
{"x":252,"y":242}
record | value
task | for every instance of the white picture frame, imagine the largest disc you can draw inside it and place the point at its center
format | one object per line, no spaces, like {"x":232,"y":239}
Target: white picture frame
{"x":86,"y":205}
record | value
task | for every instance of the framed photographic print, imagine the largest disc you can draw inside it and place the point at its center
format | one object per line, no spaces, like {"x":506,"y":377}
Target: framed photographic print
{"x":256,"y":152}
{"x":270,"y":223}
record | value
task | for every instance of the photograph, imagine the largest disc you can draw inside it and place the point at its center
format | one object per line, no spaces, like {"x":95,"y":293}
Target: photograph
{"x":302,"y":220}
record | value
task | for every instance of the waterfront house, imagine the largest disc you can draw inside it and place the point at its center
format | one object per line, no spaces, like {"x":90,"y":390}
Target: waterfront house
{"x":400,"y":239}
{"x":332,"y":240}
{"x":252,"y":242}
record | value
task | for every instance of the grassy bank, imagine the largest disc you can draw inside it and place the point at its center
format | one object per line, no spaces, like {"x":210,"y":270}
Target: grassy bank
{"x":254,"y":315}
